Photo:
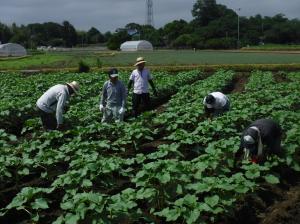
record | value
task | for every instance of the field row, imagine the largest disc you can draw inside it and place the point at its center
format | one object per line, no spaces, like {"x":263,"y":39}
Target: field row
{"x":26,"y":90}
{"x":172,"y":166}
{"x":155,"y":58}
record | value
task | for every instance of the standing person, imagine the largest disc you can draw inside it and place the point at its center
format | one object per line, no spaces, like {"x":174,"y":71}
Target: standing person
{"x":140,"y":78}
{"x":113,"y":98}
{"x":52,"y":103}
{"x":215,"y":104}
{"x":260,"y":139}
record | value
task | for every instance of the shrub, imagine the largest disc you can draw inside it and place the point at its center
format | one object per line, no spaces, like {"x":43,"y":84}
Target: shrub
{"x":83,"y":67}
{"x":99,"y":63}
{"x":220,"y":43}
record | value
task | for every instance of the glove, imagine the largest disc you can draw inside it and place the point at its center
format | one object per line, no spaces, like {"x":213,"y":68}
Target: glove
{"x":101,"y":108}
{"x":122,"y":110}
{"x":155,"y":92}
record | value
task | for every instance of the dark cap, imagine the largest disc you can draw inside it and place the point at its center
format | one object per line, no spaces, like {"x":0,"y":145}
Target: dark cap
{"x":113,"y":72}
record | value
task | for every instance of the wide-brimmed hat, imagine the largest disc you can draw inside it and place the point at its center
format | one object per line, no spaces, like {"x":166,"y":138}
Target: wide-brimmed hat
{"x":113,"y":72}
{"x":139,"y":60}
{"x":74,"y":85}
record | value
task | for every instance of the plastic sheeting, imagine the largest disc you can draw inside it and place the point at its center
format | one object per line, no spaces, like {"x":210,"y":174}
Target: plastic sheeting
{"x":10,"y":49}
{"x":141,"y":45}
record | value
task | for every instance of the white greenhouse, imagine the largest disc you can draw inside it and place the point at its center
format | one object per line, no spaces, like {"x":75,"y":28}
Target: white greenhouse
{"x":141,"y":45}
{"x":10,"y":49}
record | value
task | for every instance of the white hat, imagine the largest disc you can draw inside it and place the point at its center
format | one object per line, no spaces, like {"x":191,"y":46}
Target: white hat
{"x":74,"y":85}
{"x":139,"y":60}
{"x":249,"y":139}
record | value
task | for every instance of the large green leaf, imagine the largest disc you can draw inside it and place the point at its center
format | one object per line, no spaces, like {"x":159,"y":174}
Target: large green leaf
{"x":212,"y":201}
{"x":272,"y":179}
{"x":40,"y":203}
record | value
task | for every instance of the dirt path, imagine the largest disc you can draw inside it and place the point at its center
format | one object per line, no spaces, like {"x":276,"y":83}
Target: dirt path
{"x":240,"y":82}
{"x":281,"y":77}
{"x":286,"y":211}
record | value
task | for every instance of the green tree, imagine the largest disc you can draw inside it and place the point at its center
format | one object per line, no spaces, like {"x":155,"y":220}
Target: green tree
{"x":173,"y":30}
{"x":21,"y":35}
{"x":52,"y":30}
{"x":133,"y":26}
{"x":117,"y":39}
{"x":94,"y":36}
{"x":107,"y":36}
{"x":81,"y":38}
{"x":253,"y":34}
{"x":205,"y":11}
{"x":150,"y":34}
{"x":69,"y":34}
{"x":183,"y":41}
{"x":5,"y":33}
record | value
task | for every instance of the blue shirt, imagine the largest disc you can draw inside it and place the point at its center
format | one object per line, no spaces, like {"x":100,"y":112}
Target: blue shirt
{"x":113,"y":94}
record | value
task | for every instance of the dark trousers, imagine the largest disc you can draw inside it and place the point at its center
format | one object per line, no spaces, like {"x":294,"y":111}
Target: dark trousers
{"x":137,"y":100}
{"x":48,"y":120}
{"x":274,"y":145}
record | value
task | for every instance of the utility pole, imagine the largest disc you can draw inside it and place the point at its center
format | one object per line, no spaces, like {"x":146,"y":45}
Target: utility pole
{"x":238,"y":37}
{"x":149,"y":15}
{"x":262,"y":33}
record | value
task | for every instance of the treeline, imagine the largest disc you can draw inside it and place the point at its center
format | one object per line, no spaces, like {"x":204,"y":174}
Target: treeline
{"x":214,"y":26}
{"x":51,"y":34}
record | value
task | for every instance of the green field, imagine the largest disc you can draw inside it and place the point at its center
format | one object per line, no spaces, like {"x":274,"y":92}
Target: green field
{"x":180,"y":57}
{"x":274,"y":47}
{"x":169,"y":165}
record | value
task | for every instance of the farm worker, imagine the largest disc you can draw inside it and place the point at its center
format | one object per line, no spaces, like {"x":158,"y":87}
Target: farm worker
{"x":54,"y":101}
{"x":261,"y":138}
{"x":215,"y":104}
{"x":113,"y":98}
{"x":140,"y":77}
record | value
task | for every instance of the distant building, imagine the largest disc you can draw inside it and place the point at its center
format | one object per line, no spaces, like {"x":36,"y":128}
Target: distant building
{"x":10,"y":49}
{"x":140,"y":45}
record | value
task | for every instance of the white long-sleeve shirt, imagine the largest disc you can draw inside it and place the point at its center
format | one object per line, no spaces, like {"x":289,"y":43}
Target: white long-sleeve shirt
{"x":140,"y":80}
{"x":54,"y":100}
{"x":220,"y":102}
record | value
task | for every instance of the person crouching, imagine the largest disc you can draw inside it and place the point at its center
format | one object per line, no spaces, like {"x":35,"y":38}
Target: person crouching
{"x":260,"y":139}
{"x":215,"y":104}
{"x":51,"y":104}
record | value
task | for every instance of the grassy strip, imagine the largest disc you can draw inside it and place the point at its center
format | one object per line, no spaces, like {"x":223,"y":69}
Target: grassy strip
{"x":274,"y":47}
{"x":155,"y":58}
{"x":179,"y":68}
{"x":14,"y":58}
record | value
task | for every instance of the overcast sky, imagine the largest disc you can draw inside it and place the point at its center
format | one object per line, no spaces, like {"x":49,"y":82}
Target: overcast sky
{"x":108,"y":15}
